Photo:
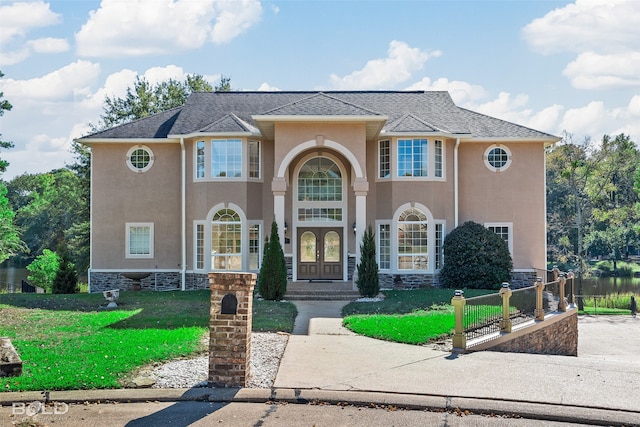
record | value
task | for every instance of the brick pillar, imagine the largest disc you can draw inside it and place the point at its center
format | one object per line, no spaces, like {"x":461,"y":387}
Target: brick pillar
{"x":230,"y":328}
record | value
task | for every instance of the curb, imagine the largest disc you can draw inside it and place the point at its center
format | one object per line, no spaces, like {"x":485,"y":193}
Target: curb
{"x":456,"y":404}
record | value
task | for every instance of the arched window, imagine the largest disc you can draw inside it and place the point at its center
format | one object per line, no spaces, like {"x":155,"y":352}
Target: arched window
{"x":320,"y":180}
{"x":226,"y":240}
{"x":412,"y":240}
{"x":320,"y":191}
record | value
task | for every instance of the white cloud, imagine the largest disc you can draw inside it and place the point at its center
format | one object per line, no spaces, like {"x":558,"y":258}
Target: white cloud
{"x":21,"y":17}
{"x":49,"y":45}
{"x":461,"y":92}
{"x":634,"y":106}
{"x":150,"y":27}
{"x":65,"y":83}
{"x":266,"y":87}
{"x":605,"y":35}
{"x":15,"y":57}
{"x":399,"y":65}
{"x":601,"y":25}
{"x":594,"y":71}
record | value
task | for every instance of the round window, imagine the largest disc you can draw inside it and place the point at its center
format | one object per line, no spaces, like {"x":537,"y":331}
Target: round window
{"x":140,"y":158}
{"x":497,"y":158}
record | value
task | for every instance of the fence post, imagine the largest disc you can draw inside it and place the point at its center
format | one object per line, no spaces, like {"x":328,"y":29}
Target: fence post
{"x":562,"y":304}
{"x":556,"y":273}
{"x":505,"y":323}
{"x":572,"y":297}
{"x":539,"y":312}
{"x":459,"y":338}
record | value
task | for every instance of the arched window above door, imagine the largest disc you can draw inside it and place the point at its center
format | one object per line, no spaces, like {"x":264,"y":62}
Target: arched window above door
{"x":319,"y":180}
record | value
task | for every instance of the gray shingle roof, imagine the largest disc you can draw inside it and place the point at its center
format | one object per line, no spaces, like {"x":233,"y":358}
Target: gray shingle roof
{"x":417,"y":112}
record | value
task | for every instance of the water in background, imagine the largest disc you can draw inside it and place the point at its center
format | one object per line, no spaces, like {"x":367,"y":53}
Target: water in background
{"x":610,"y":285}
{"x":10,"y":278}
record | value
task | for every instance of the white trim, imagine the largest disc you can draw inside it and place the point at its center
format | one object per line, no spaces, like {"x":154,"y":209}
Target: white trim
{"x":261,"y":235}
{"x":243,"y":235}
{"x":195,"y":246}
{"x":380,"y":222}
{"x":128,"y":253}
{"x":288,"y":158}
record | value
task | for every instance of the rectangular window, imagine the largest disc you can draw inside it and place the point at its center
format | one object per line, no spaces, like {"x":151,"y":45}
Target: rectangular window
{"x":503,"y":230}
{"x":254,"y":247}
{"x":320,"y":214}
{"x":226,"y":158}
{"x":200,"y":159}
{"x":384,"y":159}
{"x":384,"y":246}
{"x":439,"y":245}
{"x":254,"y":159}
{"x":139,"y":240}
{"x":199,"y":246}
{"x":413,"y":157}
{"x":437,"y":167}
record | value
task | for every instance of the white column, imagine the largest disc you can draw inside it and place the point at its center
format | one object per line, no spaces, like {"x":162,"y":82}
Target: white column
{"x":279,"y":188}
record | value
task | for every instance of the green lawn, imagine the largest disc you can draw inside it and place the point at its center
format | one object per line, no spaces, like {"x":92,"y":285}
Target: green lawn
{"x":413,"y":317}
{"x":70,"y":342}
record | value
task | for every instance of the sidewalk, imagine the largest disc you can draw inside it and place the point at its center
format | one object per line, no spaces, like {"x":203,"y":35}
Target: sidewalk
{"x":333,"y":365}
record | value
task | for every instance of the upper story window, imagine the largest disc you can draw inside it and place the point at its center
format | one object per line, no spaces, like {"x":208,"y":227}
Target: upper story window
{"x":226,"y":158}
{"x":200,"y":159}
{"x":254,"y":159}
{"x":497,"y":158}
{"x":229,"y":159}
{"x":413,"y":157}
{"x":140,"y":158}
{"x":384,"y":156}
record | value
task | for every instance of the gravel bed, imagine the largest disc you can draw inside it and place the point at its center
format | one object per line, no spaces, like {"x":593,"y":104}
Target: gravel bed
{"x":266,"y":352}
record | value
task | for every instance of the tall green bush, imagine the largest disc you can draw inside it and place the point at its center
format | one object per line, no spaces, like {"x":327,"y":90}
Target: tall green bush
{"x":43,"y":269}
{"x":476,"y":258}
{"x":368,"y":281}
{"x":272,"y":281}
{"x":66,"y":278}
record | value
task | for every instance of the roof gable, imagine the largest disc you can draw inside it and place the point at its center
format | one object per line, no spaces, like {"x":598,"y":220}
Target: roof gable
{"x":320,"y":104}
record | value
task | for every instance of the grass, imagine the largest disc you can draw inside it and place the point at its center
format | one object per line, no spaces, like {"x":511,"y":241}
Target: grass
{"x":412,"y":317}
{"x":68,"y":342}
{"x":604,"y":310}
{"x":403,"y":302}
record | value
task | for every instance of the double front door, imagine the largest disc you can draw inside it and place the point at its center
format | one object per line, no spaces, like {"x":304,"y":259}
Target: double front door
{"x":319,"y":253}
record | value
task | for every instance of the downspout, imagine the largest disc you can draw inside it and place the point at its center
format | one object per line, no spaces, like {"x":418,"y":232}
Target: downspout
{"x":183,"y":213}
{"x":455,"y":183}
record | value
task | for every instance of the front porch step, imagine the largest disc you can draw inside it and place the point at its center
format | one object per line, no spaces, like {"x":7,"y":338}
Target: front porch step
{"x":329,"y":295}
{"x":321,"y":291}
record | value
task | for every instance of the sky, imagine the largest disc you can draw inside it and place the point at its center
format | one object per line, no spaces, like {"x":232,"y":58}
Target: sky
{"x":562,"y":67}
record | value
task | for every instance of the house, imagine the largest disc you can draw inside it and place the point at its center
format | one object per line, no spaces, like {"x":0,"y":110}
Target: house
{"x":196,"y":188}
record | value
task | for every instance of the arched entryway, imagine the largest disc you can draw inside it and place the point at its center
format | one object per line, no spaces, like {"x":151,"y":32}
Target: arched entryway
{"x":320,"y":217}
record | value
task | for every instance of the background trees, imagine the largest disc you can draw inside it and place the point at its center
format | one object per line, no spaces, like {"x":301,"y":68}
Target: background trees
{"x":593,"y":199}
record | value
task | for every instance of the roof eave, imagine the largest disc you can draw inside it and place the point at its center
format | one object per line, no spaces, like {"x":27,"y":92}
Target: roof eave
{"x":548,"y":140}
{"x":216,"y":134}
{"x":89,"y":141}
{"x":429,"y":134}
{"x":318,"y":118}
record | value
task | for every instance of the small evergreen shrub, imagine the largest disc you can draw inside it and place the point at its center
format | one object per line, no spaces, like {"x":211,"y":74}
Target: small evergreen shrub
{"x":272,"y":280}
{"x":66,"y":279}
{"x":476,"y":258}
{"x":367,"y":281}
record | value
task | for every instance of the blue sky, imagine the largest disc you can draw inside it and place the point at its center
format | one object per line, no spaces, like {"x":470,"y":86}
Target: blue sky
{"x":551,"y":65}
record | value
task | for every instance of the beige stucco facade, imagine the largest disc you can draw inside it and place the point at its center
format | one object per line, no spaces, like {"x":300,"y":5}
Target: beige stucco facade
{"x":174,"y":207}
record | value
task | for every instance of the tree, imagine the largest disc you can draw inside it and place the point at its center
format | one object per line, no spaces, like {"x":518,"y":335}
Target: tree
{"x":475,"y":257}
{"x":145,"y":99}
{"x":47,"y":205}
{"x":10,"y":242}
{"x":66,"y":278}
{"x":43,"y":269}
{"x":613,"y":197}
{"x":368,"y":281}
{"x":272,"y":280}
{"x":4,"y":106}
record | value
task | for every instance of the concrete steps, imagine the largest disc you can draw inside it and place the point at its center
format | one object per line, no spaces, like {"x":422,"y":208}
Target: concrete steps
{"x":321,"y":291}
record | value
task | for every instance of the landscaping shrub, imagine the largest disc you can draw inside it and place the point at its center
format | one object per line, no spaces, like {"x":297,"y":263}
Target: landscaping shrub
{"x":66,"y":279}
{"x":367,"y":281}
{"x":272,"y":280}
{"x":475,"y":257}
{"x":43,"y":269}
